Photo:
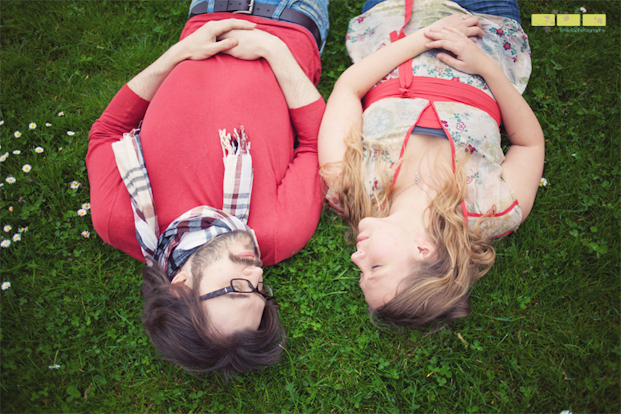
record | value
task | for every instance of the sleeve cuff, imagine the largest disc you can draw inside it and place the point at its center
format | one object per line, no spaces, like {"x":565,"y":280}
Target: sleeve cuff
{"x":307,"y":120}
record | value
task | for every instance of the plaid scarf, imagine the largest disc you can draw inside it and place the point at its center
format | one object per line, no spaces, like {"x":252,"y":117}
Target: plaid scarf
{"x":172,"y":248}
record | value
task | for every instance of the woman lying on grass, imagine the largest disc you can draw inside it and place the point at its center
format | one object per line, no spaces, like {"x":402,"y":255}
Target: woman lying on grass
{"x":410,"y":147}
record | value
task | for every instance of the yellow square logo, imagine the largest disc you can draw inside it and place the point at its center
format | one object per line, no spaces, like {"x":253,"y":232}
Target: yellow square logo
{"x":568,"y":20}
{"x":594,"y":20}
{"x":542,"y":19}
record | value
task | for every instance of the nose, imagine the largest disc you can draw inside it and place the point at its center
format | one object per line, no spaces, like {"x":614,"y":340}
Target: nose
{"x":254,"y":274}
{"x":358,"y":257}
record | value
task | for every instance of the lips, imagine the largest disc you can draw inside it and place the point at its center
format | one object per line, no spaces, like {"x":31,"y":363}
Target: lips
{"x":361,"y":238}
{"x":247,"y":253}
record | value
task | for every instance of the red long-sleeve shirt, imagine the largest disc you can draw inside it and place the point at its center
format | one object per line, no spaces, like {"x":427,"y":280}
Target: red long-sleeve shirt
{"x":183,"y":154}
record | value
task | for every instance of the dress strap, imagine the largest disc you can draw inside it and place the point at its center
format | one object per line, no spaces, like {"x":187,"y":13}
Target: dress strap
{"x":405,"y":76}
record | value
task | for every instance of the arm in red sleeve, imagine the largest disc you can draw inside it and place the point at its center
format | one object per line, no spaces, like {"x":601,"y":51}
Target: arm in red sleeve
{"x":110,"y":205}
{"x":300,"y":194}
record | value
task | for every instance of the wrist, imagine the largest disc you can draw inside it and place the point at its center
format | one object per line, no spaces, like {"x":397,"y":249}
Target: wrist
{"x":490,"y":71}
{"x":177,"y":53}
{"x":416,"y":43}
{"x":273,"y":49}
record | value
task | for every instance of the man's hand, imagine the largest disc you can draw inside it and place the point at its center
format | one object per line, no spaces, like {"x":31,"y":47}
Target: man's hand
{"x":200,"y":45}
{"x":251,"y":44}
{"x":466,"y":24}
{"x":470,"y":58}
{"x":254,"y":44}
{"x":205,"y":42}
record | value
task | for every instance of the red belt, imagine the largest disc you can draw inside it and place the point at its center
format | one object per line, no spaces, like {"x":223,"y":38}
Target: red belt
{"x":433,"y":89}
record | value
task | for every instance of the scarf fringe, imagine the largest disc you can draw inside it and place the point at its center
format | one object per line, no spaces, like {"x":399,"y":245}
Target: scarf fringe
{"x":236,"y":145}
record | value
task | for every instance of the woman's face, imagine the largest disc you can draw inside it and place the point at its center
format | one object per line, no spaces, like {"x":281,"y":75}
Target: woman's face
{"x":385,"y":255}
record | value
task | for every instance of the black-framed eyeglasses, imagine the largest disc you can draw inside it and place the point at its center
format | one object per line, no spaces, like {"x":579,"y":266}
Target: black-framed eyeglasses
{"x":241,"y":286}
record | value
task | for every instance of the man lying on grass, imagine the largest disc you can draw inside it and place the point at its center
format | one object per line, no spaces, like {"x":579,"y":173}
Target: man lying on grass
{"x":182,"y":147}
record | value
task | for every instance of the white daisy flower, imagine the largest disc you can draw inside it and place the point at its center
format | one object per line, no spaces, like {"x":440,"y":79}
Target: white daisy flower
{"x":60,"y":148}
{"x":10,"y":207}
{"x":86,"y":206}
{"x":16,"y":152}
{"x":17,"y":134}
{"x":10,"y":179}
{"x":81,"y":212}
{"x":5,"y":243}
{"x":4,"y":157}
{"x":86,"y":234}
{"x":7,"y":228}
{"x":23,"y":229}
{"x":32,"y":125}
{"x":5,"y":285}
{"x":61,"y":113}
{"x":17,"y":237}
{"x":70,"y":133}
{"x":39,"y":150}
{"x":543,"y":182}
{"x":583,"y":9}
{"x":26,"y":168}
{"x":55,"y":366}
{"x":74,"y":185}
{"x":47,"y":124}
{"x":1,"y":121}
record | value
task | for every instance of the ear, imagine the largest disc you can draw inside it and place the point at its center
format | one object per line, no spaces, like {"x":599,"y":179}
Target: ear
{"x":182,"y":276}
{"x":426,"y":249}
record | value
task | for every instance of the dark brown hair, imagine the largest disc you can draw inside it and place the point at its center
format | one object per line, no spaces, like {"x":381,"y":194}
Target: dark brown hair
{"x":180,"y":329}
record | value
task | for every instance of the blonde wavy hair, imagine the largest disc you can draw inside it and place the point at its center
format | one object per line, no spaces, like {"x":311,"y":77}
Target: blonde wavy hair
{"x":432,"y":291}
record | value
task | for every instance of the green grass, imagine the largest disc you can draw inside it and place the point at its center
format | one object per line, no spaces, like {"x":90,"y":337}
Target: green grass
{"x":544,"y":331}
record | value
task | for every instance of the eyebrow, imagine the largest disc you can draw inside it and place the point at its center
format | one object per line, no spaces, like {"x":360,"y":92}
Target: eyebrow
{"x":237,"y":295}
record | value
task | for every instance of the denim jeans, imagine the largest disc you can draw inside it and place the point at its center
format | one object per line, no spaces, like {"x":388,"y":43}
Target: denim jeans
{"x":504,"y":8}
{"x":315,"y":9}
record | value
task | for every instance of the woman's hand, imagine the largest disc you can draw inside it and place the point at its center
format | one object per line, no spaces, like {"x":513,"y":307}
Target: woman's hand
{"x":204,"y":42}
{"x":469,"y":57}
{"x":467,"y":24}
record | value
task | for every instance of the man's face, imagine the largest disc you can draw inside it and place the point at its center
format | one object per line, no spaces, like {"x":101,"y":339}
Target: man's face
{"x":233,"y":311}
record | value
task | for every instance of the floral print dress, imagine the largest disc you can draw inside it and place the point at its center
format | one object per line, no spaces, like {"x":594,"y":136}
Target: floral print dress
{"x":470,"y":129}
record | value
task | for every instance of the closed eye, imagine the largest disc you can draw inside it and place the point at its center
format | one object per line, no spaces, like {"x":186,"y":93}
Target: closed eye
{"x":376,"y":266}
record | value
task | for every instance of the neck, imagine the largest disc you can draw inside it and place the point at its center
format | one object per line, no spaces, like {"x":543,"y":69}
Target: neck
{"x":413,"y":196}
{"x":409,"y":208}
